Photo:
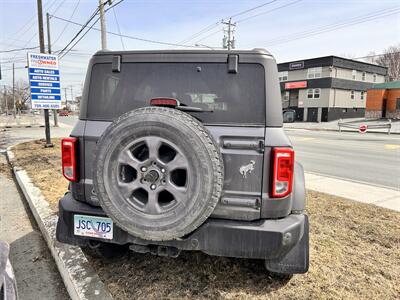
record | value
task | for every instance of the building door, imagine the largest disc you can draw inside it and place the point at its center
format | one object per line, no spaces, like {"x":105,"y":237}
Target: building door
{"x":312,"y":114}
{"x":384,"y":104}
{"x":299,"y":113}
{"x":294,"y":98}
{"x":324,"y":117}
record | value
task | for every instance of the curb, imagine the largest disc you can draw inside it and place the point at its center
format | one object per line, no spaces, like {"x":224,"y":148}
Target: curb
{"x":337,"y":130}
{"x":80,"y":279}
{"x":350,"y":189}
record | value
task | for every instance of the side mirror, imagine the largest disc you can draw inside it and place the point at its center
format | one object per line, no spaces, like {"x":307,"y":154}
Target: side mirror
{"x":288,"y":116}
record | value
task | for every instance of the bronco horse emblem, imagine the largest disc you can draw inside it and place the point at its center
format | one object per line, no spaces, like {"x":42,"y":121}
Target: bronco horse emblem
{"x":247,"y":168}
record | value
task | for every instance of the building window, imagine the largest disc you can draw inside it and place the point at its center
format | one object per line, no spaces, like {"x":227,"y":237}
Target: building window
{"x":374,"y":78}
{"x":317,"y":93}
{"x":363,"y":76}
{"x":314,"y":73}
{"x":283,"y":76}
{"x":313,"y":93}
{"x":398,"y":104}
{"x":310,"y":93}
{"x":352,"y":96}
{"x":362,"y":95}
{"x":286,"y":96}
{"x":354,"y":75}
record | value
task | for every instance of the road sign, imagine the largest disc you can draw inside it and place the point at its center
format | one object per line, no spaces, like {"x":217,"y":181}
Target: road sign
{"x":363,"y":128}
{"x":44,"y":79}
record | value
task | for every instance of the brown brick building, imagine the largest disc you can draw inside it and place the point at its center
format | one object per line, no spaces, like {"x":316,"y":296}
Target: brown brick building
{"x":383,"y":101}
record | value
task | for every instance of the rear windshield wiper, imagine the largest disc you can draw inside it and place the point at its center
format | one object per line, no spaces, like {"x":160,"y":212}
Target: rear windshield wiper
{"x":192,"y":108}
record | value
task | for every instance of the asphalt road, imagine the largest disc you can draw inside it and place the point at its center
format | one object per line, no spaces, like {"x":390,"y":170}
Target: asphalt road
{"x":35,"y":270}
{"x":368,"y":158}
{"x":70,"y":120}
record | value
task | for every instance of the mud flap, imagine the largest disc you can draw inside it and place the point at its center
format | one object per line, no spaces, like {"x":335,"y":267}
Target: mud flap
{"x":297,"y":259}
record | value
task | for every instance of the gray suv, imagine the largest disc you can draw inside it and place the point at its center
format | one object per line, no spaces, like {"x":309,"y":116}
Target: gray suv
{"x":184,"y":150}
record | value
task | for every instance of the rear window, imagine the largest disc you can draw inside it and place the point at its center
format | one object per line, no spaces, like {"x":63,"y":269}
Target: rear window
{"x":234,"y":98}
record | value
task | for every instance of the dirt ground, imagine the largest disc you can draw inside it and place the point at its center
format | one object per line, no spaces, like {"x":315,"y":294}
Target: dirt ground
{"x":44,"y":167}
{"x":355,"y":254}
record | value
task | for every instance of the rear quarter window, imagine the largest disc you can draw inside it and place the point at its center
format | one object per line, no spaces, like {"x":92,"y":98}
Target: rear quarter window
{"x":234,"y":98}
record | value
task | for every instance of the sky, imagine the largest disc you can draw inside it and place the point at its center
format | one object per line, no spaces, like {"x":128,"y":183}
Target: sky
{"x":289,"y":29}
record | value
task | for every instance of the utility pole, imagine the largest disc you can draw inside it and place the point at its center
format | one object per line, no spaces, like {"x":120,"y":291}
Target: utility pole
{"x":49,"y":50}
{"x":103,"y":26}
{"x":15,"y":108}
{"x":5,"y":98}
{"x":72,"y":96}
{"x":42,"y":50}
{"x":229,"y":42}
{"x":66,"y":101}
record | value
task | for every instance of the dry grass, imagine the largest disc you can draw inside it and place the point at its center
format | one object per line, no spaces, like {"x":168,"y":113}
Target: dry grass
{"x":355,"y":254}
{"x":5,"y":169}
{"x":44,"y":167}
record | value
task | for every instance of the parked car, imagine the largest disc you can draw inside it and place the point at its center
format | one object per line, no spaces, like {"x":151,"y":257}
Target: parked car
{"x":8,"y":285}
{"x":184,"y":150}
{"x":63,"y":113}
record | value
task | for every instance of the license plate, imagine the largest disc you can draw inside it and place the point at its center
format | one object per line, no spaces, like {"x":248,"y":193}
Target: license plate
{"x":98,"y":227}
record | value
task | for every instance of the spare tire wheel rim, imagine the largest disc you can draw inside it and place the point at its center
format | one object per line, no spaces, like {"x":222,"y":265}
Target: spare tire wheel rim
{"x":158,"y":173}
{"x":152,"y":175}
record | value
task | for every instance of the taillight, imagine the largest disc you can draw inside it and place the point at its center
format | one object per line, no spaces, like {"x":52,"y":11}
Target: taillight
{"x":282,"y":173}
{"x":164,"y":102}
{"x":68,"y":157}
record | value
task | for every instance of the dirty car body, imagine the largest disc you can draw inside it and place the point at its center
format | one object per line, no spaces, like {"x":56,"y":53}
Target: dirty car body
{"x":235,"y":96}
{"x":8,"y":285}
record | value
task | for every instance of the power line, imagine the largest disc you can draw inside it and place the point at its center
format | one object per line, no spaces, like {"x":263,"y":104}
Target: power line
{"x":91,"y":26}
{"x":333,"y":26}
{"x":119,"y":29}
{"x":128,"y":36}
{"x":19,"y":49}
{"x":66,"y":25}
{"x":253,"y":8}
{"x":268,"y":11}
{"x":201,"y":32}
{"x":377,"y":55}
{"x":207,"y":36}
{"x":215,"y":24}
{"x":114,"y":5}
{"x":33,"y":19}
{"x":343,"y":22}
{"x":83,"y":26}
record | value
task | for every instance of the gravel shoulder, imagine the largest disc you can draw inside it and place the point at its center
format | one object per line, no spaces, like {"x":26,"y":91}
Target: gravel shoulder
{"x":355,"y":252}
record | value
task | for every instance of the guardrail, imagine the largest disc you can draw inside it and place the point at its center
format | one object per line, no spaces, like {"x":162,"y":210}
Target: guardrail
{"x":363,"y":127}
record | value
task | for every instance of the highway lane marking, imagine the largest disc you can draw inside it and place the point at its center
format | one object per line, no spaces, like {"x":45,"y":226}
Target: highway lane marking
{"x":392,"y":146}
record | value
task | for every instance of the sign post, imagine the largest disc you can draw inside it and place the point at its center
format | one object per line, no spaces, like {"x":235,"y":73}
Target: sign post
{"x":44,"y":82}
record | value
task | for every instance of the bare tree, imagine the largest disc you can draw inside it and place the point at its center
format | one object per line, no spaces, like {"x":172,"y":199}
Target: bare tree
{"x":391,"y":59}
{"x":6,"y":98}
{"x":22,"y":95}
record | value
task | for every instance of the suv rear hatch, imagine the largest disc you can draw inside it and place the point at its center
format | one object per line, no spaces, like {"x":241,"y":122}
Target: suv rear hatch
{"x":234,"y":104}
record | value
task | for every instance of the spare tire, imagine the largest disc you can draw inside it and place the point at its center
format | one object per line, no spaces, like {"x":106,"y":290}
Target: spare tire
{"x":158,"y":173}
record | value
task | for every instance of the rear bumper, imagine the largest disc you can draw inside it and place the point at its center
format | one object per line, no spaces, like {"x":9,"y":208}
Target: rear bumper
{"x":271,"y":240}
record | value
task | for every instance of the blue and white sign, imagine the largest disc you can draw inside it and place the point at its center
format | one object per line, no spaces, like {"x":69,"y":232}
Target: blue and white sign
{"x":44,"y":79}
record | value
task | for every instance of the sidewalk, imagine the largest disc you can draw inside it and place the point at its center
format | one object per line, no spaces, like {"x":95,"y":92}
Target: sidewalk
{"x":333,"y":125}
{"x":384,"y":197}
{"x":35,"y":270}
